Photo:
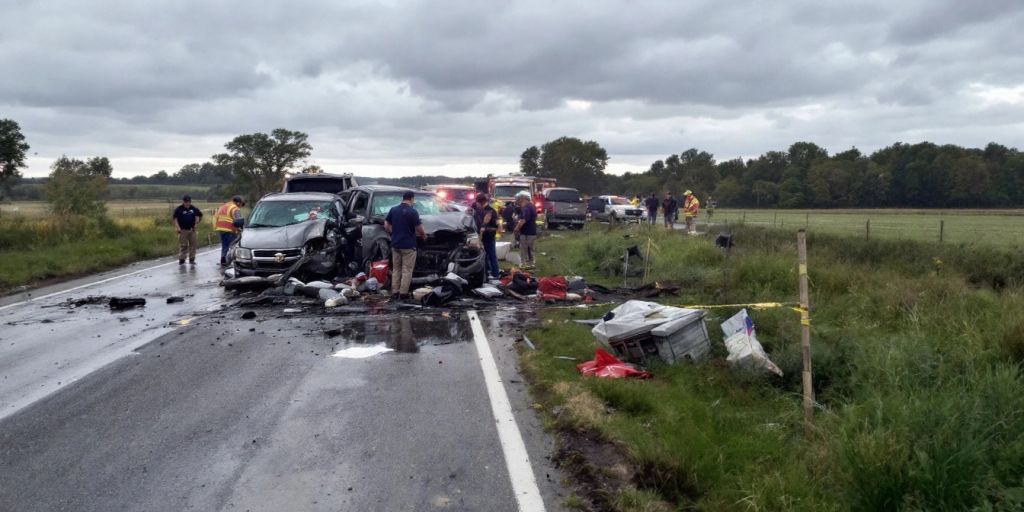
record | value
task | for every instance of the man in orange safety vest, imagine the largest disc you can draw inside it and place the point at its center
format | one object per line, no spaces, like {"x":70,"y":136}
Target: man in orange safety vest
{"x":691,"y":207}
{"x":228,"y":223}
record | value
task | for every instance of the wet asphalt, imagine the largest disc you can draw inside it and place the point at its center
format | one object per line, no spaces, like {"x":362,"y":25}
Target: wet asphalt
{"x":186,"y":406}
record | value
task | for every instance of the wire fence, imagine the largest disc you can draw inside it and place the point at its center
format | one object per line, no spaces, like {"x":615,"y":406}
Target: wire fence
{"x":989,"y":227}
{"x":115,"y":209}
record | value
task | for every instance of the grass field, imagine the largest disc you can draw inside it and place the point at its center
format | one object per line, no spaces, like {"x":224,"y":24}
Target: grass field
{"x":39,"y":249}
{"x":993,"y":227}
{"x":917,"y":351}
{"x":115,"y":209}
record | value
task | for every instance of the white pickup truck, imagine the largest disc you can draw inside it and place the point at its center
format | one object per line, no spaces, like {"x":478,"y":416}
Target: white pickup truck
{"x":614,"y":209}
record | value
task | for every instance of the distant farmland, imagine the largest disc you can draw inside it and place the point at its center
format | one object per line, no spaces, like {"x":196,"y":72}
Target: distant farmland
{"x":990,"y":227}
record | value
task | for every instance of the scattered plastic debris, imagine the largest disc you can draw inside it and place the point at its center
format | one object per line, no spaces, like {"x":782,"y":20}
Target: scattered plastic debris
{"x":175,"y":299}
{"x":119,"y":303}
{"x":248,"y":315}
{"x":361,"y":351}
{"x":741,"y":342}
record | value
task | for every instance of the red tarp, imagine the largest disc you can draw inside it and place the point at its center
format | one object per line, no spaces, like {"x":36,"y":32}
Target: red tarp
{"x":608,"y":366}
{"x":553,"y":287}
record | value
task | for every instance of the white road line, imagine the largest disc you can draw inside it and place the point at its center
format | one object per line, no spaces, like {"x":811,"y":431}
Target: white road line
{"x":86,"y":285}
{"x":520,"y":471}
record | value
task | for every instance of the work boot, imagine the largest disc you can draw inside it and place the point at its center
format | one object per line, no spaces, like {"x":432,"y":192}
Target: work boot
{"x":192,"y":261}
{"x":181,"y":262}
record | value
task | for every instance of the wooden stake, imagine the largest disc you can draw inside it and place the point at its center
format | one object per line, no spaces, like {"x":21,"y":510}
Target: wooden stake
{"x":805,"y":333}
{"x":647,"y":259}
{"x":942,"y":229}
{"x":867,"y":230}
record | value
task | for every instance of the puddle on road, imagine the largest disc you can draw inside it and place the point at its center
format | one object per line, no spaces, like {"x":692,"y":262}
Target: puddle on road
{"x":361,"y":351}
{"x":405,"y":333}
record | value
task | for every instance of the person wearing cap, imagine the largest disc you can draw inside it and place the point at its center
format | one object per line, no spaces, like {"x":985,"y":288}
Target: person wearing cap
{"x":404,"y":225}
{"x":486,"y":219}
{"x":186,"y":220}
{"x":526,"y":228}
{"x":691,"y":207}
{"x":651,"y":204}
{"x":228,"y":223}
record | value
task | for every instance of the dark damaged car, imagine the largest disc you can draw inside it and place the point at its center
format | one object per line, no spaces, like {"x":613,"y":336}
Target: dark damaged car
{"x":451,"y":244}
{"x":284,"y":228}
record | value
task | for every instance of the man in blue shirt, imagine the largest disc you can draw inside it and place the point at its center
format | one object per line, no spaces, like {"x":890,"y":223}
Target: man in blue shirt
{"x":526,"y":228}
{"x":186,"y":217}
{"x":403,"y":223}
{"x":651,"y":203}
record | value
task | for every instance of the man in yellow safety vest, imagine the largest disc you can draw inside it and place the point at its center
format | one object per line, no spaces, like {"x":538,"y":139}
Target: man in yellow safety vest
{"x":228,"y":223}
{"x":691,"y":207}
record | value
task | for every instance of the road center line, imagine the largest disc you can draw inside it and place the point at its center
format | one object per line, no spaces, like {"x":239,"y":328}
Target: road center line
{"x":86,"y":285}
{"x":520,"y":471}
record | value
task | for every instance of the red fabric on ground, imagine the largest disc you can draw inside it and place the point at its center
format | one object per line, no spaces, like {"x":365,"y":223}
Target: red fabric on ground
{"x":608,"y":366}
{"x":553,"y":286}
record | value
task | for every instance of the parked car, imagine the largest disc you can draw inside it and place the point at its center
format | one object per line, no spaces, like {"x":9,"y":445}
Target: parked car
{"x":458,"y":194}
{"x":614,"y":209}
{"x":563,"y":207}
{"x":319,"y":182}
{"x":284,"y":227}
{"x":451,"y":244}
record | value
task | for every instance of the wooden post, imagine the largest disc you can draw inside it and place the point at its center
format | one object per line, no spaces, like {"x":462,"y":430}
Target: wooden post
{"x":867,"y":230}
{"x":805,"y":333}
{"x":744,"y":220}
{"x":775,"y":219}
{"x":807,"y":220}
{"x":647,"y":260}
{"x":942,"y":229}
{"x":625,"y":268}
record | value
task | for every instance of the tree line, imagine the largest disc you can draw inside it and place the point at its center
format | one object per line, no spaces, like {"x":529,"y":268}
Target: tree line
{"x":923,"y":175}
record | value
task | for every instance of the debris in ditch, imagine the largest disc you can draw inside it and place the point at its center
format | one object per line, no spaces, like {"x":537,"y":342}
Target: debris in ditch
{"x":744,"y":349}
{"x":607,"y":366}
{"x":175,"y":299}
{"x":529,"y":343}
{"x":119,"y":303}
{"x":248,"y":315}
{"x":637,"y":330}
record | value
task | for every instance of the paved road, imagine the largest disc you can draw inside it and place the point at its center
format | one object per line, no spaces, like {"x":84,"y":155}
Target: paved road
{"x":182,"y":407}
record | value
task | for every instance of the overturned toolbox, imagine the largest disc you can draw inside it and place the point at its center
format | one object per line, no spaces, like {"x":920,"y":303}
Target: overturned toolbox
{"x":638,"y":330}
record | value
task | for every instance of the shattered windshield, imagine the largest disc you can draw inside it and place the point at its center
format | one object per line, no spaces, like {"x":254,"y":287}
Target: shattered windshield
{"x":424,"y":203}
{"x":509,"y":190}
{"x":273,"y":214}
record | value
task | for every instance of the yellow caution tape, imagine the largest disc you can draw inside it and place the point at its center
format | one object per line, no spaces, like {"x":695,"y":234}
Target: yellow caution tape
{"x":753,"y":305}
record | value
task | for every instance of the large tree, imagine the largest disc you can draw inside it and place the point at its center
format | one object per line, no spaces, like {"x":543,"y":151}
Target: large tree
{"x":78,"y":188}
{"x":575,"y":163}
{"x":529,"y":161}
{"x":12,"y":154}
{"x":259,"y":161}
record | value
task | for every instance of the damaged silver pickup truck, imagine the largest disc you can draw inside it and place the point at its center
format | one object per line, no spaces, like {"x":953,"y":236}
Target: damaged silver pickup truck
{"x":320,"y":235}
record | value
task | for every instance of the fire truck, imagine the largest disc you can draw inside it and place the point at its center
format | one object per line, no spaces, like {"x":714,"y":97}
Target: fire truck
{"x":505,"y":188}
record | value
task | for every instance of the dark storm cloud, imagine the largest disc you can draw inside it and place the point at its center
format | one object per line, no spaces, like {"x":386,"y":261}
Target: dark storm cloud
{"x":484,"y":79}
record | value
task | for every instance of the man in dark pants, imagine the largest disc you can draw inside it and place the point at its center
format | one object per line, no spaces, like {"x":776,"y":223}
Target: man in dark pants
{"x":487,"y":225}
{"x":403,"y":224}
{"x":186,"y":218}
{"x":228,"y":222}
{"x":671,"y":208}
{"x":651,"y":203}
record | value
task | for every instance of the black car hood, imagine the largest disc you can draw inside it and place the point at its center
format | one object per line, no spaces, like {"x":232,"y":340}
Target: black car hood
{"x":284,"y":237}
{"x":452,"y":221}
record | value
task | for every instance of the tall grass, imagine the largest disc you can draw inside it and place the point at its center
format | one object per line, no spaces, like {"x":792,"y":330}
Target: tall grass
{"x":917,"y":352}
{"x":33,"y":250}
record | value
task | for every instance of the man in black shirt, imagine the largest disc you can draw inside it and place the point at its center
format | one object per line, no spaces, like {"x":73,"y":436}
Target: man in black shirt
{"x":487,"y":225}
{"x":651,"y":203}
{"x":186,"y":220}
{"x":671,"y":208}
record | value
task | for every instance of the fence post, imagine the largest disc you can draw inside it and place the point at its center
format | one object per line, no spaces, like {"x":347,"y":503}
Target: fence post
{"x":867,"y":230}
{"x":807,"y":220}
{"x":942,"y":229}
{"x":744,"y":221}
{"x":805,"y":333}
{"x":775,"y":219}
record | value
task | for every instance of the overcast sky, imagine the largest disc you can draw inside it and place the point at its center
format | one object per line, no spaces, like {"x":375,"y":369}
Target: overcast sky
{"x":461,"y":87}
